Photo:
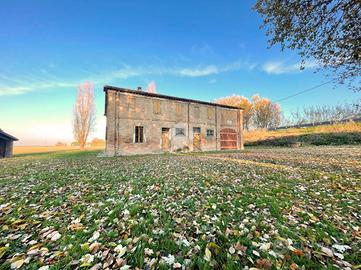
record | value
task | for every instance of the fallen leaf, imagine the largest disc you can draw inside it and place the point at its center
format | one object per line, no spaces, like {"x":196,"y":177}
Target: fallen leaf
{"x":265,"y":246}
{"x":264,"y":264}
{"x":94,"y":247}
{"x":207,"y":255}
{"x":17,"y":264}
{"x":120,"y":250}
{"x":328,"y":252}
{"x":231,"y":250}
{"x":87,"y":260}
{"x":298,"y":252}
{"x":3,"y":251}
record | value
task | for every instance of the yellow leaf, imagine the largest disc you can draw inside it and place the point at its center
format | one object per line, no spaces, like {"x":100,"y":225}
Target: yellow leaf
{"x":207,"y":255}
{"x":85,"y":246}
{"x":3,"y":251}
{"x":76,"y":227}
{"x":214,"y":247}
{"x":17,"y":264}
{"x":36,"y":246}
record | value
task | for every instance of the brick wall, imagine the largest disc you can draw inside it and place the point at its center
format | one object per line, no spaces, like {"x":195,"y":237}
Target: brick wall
{"x":125,"y":111}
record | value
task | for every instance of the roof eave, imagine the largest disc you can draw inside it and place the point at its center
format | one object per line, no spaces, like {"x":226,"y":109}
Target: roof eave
{"x":125,"y":90}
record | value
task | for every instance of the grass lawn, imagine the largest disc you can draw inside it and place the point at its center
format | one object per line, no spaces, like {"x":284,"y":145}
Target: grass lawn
{"x":266,"y":208}
{"x":24,"y":150}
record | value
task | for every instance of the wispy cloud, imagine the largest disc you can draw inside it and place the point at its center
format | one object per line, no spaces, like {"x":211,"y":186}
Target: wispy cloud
{"x":216,"y":69}
{"x":280,"y":67}
{"x":199,"y":72}
{"x":26,"y":85}
{"x":11,"y":86}
{"x":17,"y":90}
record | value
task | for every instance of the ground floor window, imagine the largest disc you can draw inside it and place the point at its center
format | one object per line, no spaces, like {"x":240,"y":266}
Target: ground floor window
{"x":210,"y":132}
{"x":179,"y":132}
{"x":196,"y":130}
{"x":139,"y":134}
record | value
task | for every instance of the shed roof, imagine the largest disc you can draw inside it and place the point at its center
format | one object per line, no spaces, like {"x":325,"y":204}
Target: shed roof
{"x":143,"y":93}
{"x":6,"y":136}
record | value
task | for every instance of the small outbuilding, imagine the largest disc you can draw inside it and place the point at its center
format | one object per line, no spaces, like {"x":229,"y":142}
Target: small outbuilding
{"x":6,"y":144}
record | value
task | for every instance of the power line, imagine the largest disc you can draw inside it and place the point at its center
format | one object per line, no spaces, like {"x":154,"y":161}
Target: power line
{"x":303,"y":91}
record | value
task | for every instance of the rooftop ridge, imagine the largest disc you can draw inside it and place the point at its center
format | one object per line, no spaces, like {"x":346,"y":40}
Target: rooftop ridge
{"x":142,"y":93}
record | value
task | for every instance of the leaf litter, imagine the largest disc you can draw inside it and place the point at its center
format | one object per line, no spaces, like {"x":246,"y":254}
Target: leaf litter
{"x":271,"y":208}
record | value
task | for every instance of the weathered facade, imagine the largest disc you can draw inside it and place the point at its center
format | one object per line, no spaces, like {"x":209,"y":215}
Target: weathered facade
{"x":140,"y":122}
{"x":6,"y":144}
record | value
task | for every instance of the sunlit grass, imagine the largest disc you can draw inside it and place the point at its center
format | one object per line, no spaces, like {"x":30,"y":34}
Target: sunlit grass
{"x":267,"y":208}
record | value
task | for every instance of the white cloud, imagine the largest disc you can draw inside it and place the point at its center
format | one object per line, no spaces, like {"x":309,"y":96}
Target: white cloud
{"x":280,"y":67}
{"x":17,"y":90}
{"x":198,"y":72}
{"x":12,"y":86}
{"x":25,"y":86}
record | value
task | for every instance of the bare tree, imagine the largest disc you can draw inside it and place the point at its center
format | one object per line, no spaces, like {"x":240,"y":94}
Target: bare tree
{"x":323,"y":113}
{"x":84,"y":113}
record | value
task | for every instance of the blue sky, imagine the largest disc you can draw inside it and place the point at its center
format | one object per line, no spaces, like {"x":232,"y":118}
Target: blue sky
{"x":195,"y":49}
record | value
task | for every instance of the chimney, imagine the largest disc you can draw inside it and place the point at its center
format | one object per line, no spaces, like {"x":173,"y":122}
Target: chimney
{"x":139,"y":88}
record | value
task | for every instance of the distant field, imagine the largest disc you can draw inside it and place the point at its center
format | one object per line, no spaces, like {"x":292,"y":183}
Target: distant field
{"x":344,"y":133}
{"x":262,"y":208}
{"x":44,"y":149}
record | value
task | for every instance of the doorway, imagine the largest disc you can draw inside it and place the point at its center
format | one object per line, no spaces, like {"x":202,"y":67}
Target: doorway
{"x":165,"y":140}
{"x":228,"y":139}
{"x":2,"y":148}
{"x":196,"y":139}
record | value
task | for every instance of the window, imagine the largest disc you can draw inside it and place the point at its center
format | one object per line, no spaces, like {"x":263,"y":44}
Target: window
{"x":196,"y":112}
{"x":139,"y":134}
{"x":196,"y":130}
{"x":210,"y":132}
{"x":179,"y":132}
{"x":210,"y":113}
{"x":178,"y":109}
{"x":156,"y":107}
{"x":131,"y":103}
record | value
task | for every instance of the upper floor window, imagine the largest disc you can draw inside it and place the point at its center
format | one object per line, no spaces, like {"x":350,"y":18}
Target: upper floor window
{"x":196,"y":112}
{"x":210,"y":113}
{"x":139,"y":134}
{"x":131,"y":103}
{"x":178,"y":109}
{"x":156,"y":107}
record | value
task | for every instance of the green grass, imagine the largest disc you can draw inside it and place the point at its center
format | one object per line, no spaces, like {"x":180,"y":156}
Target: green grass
{"x":339,"y":138}
{"x":167,"y":210}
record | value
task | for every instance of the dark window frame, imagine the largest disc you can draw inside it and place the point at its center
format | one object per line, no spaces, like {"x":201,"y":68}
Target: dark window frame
{"x":210,"y":132}
{"x":139,"y":134}
{"x":180,"y":132}
{"x":197,"y":130}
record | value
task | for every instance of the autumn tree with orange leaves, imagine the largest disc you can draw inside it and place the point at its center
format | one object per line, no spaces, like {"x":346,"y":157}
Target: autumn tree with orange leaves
{"x":241,"y":102}
{"x":266,"y":113}
{"x":257,"y":113}
{"x":84,"y":113}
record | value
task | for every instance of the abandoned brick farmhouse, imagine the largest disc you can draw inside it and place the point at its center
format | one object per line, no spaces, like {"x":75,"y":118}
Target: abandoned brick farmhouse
{"x":140,"y":122}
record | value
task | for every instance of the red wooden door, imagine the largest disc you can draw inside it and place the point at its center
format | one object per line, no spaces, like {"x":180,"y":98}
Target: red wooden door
{"x":228,"y":139}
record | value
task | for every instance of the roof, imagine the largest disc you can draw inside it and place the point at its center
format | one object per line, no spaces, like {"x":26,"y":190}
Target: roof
{"x":143,"y":93}
{"x":6,"y":136}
